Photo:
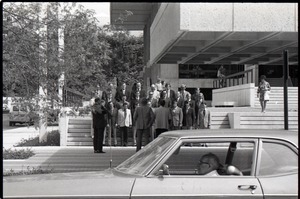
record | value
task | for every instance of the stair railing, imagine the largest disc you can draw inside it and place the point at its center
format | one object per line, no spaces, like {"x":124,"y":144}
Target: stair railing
{"x":244,"y":77}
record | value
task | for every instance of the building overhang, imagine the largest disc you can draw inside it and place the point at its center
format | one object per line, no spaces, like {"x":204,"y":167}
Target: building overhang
{"x":208,"y":47}
{"x":263,"y":48}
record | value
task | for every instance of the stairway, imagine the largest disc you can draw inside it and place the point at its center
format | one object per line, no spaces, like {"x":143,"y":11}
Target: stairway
{"x":277,"y":98}
{"x":79,"y":133}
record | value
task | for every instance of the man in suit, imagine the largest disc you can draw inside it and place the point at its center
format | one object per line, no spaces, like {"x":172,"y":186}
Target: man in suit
{"x":122,"y":91}
{"x":204,"y":117}
{"x":177,"y":116}
{"x":162,"y":119}
{"x":188,"y":116}
{"x":143,"y":119}
{"x":99,"y":124}
{"x":170,"y":94}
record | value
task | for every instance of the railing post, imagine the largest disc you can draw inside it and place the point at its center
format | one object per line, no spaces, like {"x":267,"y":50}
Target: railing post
{"x":285,"y":88}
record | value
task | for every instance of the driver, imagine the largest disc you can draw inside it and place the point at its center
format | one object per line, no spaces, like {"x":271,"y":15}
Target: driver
{"x":208,"y":165}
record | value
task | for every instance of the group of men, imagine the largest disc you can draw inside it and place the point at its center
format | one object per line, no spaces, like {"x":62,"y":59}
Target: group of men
{"x":147,"y":113}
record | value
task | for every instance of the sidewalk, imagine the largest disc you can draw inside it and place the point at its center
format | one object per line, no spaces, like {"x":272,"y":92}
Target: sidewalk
{"x":70,"y":159}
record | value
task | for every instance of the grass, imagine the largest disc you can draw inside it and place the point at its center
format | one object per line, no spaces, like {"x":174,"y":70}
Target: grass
{"x":28,"y":171}
{"x":53,"y":139}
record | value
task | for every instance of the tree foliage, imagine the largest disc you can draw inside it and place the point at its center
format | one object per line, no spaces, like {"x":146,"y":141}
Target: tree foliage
{"x":92,"y":55}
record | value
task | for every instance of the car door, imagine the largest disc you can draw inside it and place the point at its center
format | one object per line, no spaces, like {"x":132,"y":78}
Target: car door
{"x":197,"y":187}
{"x":278,"y":169}
{"x":183,"y":182}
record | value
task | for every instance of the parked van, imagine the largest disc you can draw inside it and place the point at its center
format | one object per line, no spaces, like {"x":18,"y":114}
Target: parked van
{"x":19,"y":114}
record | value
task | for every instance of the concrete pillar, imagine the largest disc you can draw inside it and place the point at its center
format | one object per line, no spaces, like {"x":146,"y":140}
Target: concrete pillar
{"x":63,"y":129}
{"x":234,"y":120}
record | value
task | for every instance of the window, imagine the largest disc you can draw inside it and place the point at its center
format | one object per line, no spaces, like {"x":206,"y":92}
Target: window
{"x":205,"y":71}
{"x":185,"y":160}
{"x":277,"y":158}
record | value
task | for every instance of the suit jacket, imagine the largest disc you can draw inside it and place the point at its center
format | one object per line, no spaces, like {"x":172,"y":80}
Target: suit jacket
{"x":119,"y":95}
{"x":177,"y":116}
{"x":172,"y":95}
{"x":143,"y":117}
{"x":204,"y":118}
{"x":162,"y":117}
{"x":99,"y":116}
{"x":189,"y":117}
{"x":122,"y":121}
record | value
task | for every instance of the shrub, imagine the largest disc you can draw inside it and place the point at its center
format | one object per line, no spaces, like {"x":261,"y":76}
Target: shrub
{"x":17,"y":154}
{"x":53,"y":139}
{"x":29,"y":171}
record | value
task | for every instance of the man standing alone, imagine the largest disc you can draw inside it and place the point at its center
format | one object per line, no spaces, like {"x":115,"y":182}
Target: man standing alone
{"x":99,"y":124}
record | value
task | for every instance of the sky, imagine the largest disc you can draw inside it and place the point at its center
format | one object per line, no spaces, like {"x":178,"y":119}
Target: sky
{"x":102,"y":10}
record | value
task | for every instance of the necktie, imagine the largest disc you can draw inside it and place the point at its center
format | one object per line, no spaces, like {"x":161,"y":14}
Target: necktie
{"x":203,"y":112}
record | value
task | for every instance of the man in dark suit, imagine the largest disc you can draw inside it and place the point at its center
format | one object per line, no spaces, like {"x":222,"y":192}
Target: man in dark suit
{"x":170,"y":94}
{"x":99,"y":124}
{"x":122,"y":91}
{"x":143,"y":119}
{"x":188,"y":116}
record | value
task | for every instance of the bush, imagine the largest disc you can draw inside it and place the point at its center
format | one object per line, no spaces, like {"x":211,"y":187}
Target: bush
{"x":29,"y":171}
{"x":53,"y":139}
{"x":17,"y":154}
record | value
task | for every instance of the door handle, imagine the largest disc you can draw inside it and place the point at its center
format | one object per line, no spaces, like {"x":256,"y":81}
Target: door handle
{"x":248,"y":187}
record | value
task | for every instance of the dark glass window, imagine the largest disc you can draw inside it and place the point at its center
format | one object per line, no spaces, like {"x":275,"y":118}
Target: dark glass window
{"x":205,"y":71}
{"x":271,"y":71}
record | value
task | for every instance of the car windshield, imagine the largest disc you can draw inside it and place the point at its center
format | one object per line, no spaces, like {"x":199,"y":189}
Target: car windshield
{"x":144,"y":158}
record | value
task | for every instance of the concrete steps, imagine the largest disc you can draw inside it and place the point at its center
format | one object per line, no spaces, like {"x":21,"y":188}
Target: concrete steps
{"x":277,"y":98}
{"x":79,"y":133}
{"x":219,"y":120}
{"x":254,"y":120}
{"x":268,"y":120}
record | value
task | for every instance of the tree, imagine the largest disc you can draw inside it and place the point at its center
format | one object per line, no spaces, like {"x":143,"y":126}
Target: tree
{"x":127,"y":57}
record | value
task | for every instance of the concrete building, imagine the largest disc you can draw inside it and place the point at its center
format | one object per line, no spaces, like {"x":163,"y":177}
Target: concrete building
{"x":185,"y":43}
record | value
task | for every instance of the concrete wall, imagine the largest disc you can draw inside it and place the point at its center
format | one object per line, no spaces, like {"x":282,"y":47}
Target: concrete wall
{"x":239,"y":16}
{"x":242,"y":95}
{"x":164,"y":30}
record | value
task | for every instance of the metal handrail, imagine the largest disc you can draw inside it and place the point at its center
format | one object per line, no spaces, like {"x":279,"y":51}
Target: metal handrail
{"x":234,"y":79}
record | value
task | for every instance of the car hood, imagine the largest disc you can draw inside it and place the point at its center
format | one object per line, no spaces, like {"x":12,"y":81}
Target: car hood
{"x":101,"y":184}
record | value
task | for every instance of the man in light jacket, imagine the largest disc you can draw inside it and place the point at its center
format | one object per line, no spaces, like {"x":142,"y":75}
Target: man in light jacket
{"x":124,"y":122}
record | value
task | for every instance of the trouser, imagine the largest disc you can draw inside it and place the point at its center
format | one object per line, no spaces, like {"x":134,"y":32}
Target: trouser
{"x":140,"y":134}
{"x":159,"y":131}
{"x":111,"y":133}
{"x":98,"y":139}
{"x":124,"y":135}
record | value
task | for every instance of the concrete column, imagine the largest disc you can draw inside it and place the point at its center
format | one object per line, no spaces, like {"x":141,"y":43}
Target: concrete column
{"x":234,"y":120}
{"x":63,"y":129}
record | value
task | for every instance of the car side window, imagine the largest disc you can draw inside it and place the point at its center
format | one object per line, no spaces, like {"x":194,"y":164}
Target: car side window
{"x":186,"y":159}
{"x":277,"y":158}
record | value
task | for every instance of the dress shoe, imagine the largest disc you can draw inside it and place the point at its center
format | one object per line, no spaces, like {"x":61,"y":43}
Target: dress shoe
{"x":101,"y":152}
{"x":96,"y":151}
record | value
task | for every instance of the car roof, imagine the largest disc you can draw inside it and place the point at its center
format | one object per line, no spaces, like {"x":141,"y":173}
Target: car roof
{"x":289,"y":135}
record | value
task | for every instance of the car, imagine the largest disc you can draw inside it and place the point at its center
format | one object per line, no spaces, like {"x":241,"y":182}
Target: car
{"x":263,"y":164}
{"x":19,"y":114}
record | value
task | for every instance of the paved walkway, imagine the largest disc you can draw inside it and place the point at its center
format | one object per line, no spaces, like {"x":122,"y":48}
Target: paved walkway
{"x":70,"y":159}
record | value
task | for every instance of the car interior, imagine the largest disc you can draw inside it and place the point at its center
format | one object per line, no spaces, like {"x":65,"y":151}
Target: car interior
{"x":235,"y":158}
